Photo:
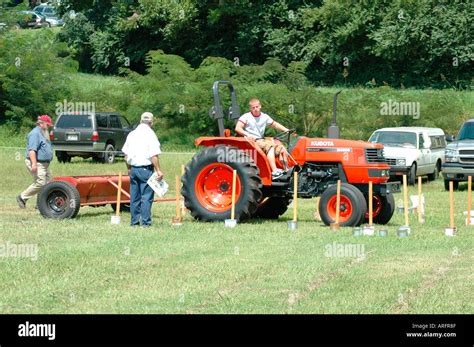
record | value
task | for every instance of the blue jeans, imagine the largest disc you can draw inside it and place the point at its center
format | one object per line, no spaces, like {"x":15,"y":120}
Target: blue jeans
{"x":141,"y":195}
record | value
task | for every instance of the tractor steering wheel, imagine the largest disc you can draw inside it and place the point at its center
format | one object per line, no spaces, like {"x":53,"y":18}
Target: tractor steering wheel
{"x":282,"y":135}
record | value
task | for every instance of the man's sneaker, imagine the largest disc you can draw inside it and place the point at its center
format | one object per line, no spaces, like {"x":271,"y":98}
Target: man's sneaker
{"x":21,"y":202}
{"x":277,"y":174}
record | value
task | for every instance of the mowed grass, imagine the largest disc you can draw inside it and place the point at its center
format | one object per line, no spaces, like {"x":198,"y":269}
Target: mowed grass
{"x":87,"y":265}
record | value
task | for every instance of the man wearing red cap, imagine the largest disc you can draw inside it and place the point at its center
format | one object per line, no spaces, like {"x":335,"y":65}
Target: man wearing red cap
{"x":38,"y":156}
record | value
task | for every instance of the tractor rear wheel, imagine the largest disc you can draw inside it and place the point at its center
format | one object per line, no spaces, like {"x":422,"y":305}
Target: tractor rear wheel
{"x":59,"y":200}
{"x":352,"y":206}
{"x":383,"y":209}
{"x":207,"y":184}
{"x":272,"y":207}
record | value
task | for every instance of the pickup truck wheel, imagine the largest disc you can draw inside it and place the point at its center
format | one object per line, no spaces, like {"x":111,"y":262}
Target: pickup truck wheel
{"x":455,"y":185}
{"x":435,"y":174}
{"x":411,"y":179}
{"x":352,"y":206}
{"x":109,"y":155}
{"x":59,"y":200}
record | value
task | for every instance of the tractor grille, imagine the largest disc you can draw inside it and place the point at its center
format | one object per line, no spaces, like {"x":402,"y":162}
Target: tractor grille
{"x":375,"y":156}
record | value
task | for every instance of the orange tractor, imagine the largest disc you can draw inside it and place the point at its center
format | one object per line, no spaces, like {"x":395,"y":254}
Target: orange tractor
{"x":319,"y":163}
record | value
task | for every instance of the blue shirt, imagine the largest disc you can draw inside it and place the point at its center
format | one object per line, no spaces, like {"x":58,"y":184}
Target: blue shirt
{"x":37,"y":143}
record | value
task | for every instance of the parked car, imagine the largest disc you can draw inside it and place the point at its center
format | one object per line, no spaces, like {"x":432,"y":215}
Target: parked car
{"x":414,"y":151}
{"x":100,"y":135}
{"x":459,"y":162}
{"x":50,"y":14}
{"x":30,"y":19}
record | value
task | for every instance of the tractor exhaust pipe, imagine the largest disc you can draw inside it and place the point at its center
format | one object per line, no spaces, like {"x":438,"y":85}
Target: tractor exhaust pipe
{"x":333,"y":131}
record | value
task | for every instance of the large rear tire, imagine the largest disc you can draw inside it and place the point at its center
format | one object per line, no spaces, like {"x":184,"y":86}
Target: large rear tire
{"x":383,"y":209}
{"x":59,"y":200}
{"x":272,"y":207}
{"x":207,"y":184}
{"x":352,"y":205}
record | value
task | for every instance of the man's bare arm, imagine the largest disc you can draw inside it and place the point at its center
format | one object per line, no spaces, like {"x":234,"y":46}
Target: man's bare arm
{"x":279,"y":127}
{"x":156,"y":163}
{"x":239,"y":129}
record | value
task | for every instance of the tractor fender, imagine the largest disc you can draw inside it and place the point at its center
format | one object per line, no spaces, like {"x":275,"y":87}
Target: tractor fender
{"x":254,"y":152}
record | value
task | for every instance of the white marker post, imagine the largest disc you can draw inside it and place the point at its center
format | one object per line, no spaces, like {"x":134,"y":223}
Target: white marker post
{"x":293,"y":224}
{"x":451,"y":230}
{"x":335,"y":226}
{"x":116,"y":218}
{"x":232,"y":222}
{"x":177,"y":220}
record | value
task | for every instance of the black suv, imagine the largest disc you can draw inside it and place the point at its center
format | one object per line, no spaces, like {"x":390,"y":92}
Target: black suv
{"x":100,"y":135}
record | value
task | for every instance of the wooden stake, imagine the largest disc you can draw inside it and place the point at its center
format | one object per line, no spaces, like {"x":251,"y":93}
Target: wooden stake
{"x":469,"y":189}
{"x":178,"y":200}
{"x":234,"y":179}
{"x":451,"y":205}
{"x":119,"y":195}
{"x":420,"y":217}
{"x":405,"y":198}
{"x":295,"y":196}
{"x":338,"y":201}
{"x":371,"y":207}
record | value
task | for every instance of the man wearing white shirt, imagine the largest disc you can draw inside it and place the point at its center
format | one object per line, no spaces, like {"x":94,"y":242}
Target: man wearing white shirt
{"x":141,"y":154}
{"x":252,"y":125}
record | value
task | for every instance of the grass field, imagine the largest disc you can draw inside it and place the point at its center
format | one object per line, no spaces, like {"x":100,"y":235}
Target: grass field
{"x":87,"y":265}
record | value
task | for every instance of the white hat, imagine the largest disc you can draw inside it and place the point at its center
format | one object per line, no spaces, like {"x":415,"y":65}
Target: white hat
{"x":146,"y":116}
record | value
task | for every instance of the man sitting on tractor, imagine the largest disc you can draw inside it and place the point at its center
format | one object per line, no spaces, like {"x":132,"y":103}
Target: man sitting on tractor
{"x":252,"y":125}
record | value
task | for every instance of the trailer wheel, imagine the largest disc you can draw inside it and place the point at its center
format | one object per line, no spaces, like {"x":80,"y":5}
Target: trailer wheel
{"x":59,"y":200}
{"x":207,"y":184}
{"x":352,"y":205}
{"x":123,"y":207}
{"x":383,"y":209}
{"x":272,"y":207}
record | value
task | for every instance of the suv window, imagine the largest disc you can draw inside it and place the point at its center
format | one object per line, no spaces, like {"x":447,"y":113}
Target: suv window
{"x":101,"y":120}
{"x":114,"y":121}
{"x":125,"y":123}
{"x":74,"y":121}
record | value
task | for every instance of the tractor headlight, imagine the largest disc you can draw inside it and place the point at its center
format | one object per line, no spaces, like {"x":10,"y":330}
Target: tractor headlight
{"x":401,"y":162}
{"x":452,"y":155}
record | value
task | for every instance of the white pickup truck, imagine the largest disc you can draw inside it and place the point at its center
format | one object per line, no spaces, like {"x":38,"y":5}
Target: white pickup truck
{"x":414,"y":151}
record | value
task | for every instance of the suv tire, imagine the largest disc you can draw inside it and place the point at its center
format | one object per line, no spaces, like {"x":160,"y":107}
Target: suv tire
{"x":63,"y":157}
{"x":109,"y":154}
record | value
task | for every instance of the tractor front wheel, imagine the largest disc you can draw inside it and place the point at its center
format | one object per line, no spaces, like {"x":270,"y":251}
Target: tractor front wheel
{"x":352,"y":205}
{"x":207,"y":184}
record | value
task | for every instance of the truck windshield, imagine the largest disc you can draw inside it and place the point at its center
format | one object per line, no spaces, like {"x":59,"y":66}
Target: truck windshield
{"x":394,"y":138}
{"x":467,"y":132}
